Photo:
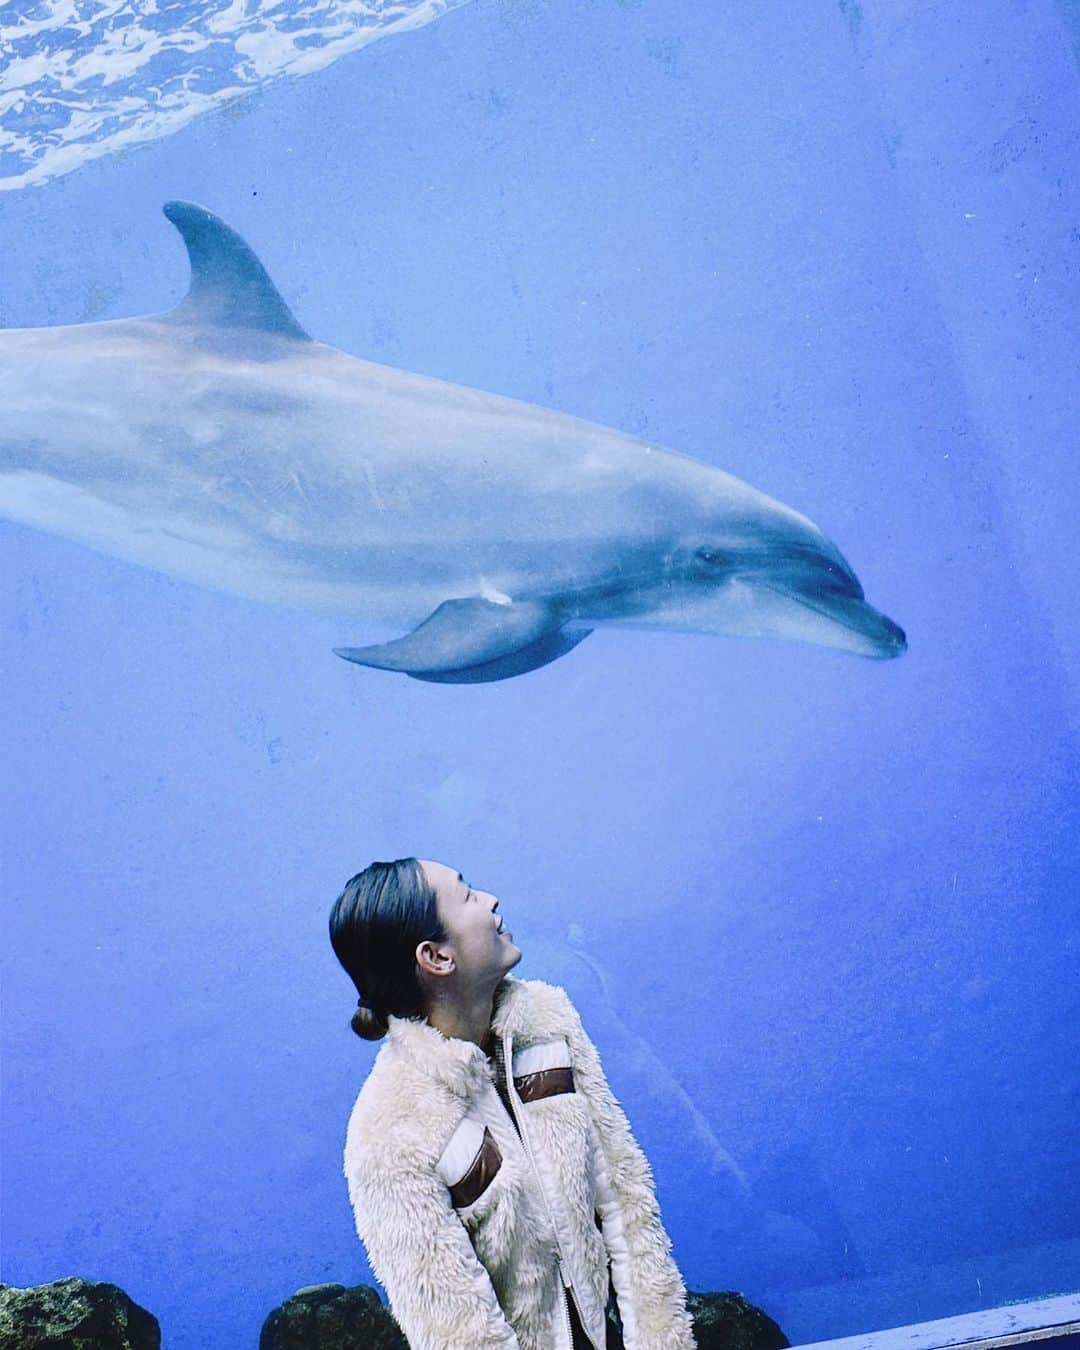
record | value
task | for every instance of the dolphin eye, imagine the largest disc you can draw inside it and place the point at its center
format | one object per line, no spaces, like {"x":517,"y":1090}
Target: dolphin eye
{"x":714,"y":557}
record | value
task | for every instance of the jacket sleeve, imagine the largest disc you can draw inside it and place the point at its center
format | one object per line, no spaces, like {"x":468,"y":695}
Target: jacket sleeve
{"x":648,"y":1287}
{"x":440,"y":1294}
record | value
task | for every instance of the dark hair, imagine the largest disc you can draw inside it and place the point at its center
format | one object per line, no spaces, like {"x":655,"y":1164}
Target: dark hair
{"x":376,"y":924}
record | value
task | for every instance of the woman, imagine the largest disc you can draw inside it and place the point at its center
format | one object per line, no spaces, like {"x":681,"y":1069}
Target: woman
{"x":494,"y":1205}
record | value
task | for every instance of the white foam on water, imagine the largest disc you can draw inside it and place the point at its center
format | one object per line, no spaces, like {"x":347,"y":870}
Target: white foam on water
{"x":85,"y":78}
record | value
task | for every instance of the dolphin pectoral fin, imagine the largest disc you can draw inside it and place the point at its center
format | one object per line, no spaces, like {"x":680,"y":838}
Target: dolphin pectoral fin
{"x":230,"y":288}
{"x":462,"y":634}
{"x":539,"y":653}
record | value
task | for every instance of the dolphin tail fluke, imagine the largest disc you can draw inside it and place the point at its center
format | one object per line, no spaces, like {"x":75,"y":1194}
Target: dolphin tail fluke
{"x":473,"y":641}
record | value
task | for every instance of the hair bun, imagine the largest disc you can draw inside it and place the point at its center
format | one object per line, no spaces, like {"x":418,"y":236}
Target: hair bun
{"x":367,"y":1023}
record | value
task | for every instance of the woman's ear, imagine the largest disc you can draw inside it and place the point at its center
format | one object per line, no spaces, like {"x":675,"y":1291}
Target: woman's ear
{"x":434,"y":959}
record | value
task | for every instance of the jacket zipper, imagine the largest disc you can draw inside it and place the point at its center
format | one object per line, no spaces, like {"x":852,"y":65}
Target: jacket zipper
{"x":512,"y":1096}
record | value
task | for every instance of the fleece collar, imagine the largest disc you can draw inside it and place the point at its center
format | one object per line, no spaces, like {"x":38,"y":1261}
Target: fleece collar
{"x":459,"y":1065}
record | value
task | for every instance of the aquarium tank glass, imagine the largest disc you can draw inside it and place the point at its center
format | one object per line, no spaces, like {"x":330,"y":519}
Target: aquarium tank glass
{"x":818,"y":910}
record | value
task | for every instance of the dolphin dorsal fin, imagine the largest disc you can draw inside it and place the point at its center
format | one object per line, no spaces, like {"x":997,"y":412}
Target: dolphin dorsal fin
{"x":229,"y":287}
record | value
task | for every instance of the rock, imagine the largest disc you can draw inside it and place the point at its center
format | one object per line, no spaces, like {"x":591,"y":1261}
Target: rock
{"x":728,"y":1322}
{"x":331,"y":1317}
{"x":74,"y":1314}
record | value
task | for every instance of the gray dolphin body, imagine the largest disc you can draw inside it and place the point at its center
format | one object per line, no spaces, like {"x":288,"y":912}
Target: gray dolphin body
{"x":219,"y":443}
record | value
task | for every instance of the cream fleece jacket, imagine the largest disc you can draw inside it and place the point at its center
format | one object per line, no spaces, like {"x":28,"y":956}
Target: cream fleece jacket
{"x":480,"y":1236}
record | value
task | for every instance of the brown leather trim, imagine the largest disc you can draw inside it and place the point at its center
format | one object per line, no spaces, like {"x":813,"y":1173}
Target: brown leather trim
{"x":480,"y":1175}
{"x":546,"y":1083}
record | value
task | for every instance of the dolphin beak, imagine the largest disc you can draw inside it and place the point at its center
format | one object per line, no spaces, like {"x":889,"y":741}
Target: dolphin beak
{"x":862,"y":628}
{"x":808,"y":591}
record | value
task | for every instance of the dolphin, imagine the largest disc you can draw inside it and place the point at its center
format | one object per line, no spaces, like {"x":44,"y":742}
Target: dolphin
{"x":219,"y":443}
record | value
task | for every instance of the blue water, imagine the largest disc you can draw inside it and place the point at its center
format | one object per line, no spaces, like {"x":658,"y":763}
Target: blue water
{"x":820,"y":913}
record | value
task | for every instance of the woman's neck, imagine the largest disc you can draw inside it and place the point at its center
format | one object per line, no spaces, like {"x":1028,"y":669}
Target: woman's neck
{"x":465,"y":1018}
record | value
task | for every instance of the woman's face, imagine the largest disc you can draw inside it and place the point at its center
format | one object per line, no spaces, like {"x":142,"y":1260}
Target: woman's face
{"x":483,"y":949}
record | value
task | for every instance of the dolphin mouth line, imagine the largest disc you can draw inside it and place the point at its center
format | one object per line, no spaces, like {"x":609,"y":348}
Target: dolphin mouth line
{"x":789,"y":593}
{"x":896,"y":638}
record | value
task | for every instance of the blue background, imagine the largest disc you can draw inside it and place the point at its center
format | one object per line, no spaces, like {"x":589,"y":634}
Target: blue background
{"x":831,"y":248}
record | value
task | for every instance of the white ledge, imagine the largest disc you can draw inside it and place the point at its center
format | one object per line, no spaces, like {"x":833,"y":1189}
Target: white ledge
{"x":1016,"y":1324}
